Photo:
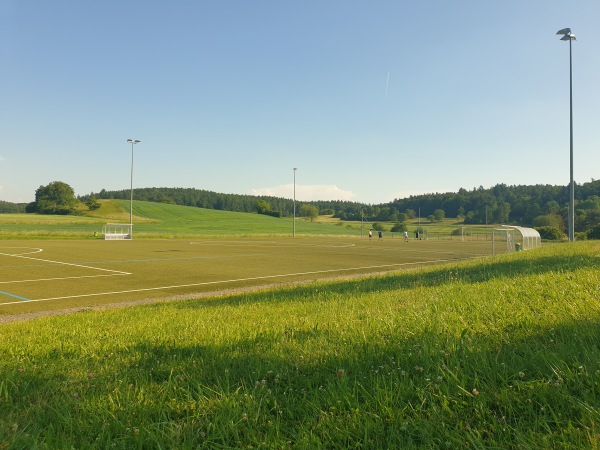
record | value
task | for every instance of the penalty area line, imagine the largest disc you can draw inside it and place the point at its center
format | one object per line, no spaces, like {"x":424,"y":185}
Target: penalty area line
{"x":71,"y":264}
{"x":266,"y":277}
{"x":33,"y":250}
{"x":65,"y":278}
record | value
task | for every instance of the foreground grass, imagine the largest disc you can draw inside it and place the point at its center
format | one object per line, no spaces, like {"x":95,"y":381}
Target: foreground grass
{"x":494,"y":353}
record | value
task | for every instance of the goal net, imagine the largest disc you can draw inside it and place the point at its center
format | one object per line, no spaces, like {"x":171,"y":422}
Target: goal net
{"x":503,"y":240}
{"x":113,"y":231}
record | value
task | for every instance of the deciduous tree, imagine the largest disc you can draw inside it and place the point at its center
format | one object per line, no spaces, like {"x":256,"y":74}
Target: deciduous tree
{"x":55,"y":198}
{"x":309,"y":211}
{"x":263,"y":206}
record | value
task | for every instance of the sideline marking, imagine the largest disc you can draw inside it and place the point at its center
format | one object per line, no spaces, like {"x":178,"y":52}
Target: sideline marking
{"x":207,"y":283}
{"x":64,"y":278}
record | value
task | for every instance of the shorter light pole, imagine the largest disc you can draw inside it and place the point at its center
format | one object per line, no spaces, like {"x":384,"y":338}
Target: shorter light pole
{"x":486,"y":224}
{"x":362,"y":223}
{"x":294,"y":226}
{"x":132,"y":142}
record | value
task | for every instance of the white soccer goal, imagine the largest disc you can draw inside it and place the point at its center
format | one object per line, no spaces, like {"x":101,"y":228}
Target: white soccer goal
{"x":503,"y":240}
{"x":117,"y":231}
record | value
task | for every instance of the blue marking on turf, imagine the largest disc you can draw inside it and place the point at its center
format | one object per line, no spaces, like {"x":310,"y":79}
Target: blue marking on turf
{"x":15,"y":296}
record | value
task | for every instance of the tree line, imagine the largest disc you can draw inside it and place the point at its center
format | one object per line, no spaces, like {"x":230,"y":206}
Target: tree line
{"x":534,"y":205}
{"x":11,"y":208}
{"x":275,"y":206}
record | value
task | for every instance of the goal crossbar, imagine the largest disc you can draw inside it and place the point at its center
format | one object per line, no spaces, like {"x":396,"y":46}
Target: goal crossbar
{"x":113,"y":231}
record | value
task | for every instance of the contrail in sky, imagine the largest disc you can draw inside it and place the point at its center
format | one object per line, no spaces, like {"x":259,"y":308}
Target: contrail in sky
{"x":386,"y":86}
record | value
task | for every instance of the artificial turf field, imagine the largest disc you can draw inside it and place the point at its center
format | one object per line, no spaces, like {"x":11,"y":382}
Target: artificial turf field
{"x":48,"y":275}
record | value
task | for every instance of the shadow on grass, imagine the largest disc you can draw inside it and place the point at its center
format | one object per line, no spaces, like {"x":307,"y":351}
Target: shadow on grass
{"x":426,"y":389}
{"x":540,"y":385}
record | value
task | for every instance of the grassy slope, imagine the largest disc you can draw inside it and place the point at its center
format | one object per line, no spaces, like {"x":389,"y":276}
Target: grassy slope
{"x":182,"y":220}
{"x":494,"y":353}
{"x":159,"y":220}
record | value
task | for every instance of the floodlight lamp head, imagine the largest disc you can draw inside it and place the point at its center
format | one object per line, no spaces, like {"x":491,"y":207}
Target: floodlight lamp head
{"x":129,"y":141}
{"x":567,"y":35}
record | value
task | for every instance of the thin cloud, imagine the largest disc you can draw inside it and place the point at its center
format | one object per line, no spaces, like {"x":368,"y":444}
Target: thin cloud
{"x":305,"y":192}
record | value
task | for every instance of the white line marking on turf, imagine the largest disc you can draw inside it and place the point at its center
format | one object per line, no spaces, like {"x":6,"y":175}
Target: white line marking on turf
{"x":207,"y":283}
{"x":273,"y":244}
{"x":67,"y":264}
{"x":65,"y":278}
{"x":112,"y":272}
{"x":35,"y":250}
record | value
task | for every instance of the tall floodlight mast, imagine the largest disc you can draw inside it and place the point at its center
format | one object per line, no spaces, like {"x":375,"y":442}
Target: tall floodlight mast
{"x":568,"y":36}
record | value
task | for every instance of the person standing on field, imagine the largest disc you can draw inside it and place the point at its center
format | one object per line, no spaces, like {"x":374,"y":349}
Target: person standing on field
{"x":380,"y":235}
{"x":405,"y":236}
{"x":370,"y":234}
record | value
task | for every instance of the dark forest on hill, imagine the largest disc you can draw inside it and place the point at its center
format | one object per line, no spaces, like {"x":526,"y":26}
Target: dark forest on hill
{"x":537,"y":205}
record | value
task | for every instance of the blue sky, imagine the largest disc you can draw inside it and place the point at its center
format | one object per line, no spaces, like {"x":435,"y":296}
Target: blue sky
{"x":371,"y":101}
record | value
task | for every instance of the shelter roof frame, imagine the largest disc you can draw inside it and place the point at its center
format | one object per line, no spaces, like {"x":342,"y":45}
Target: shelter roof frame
{"x":530,"y":238}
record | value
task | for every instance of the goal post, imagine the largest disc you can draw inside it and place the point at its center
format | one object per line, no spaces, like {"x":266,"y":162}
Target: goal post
{"x":115,"y":231}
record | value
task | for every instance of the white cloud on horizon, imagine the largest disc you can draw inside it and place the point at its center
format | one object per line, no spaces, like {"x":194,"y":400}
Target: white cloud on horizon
{"x":306,"y":193}
{"x":325,"y":192}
